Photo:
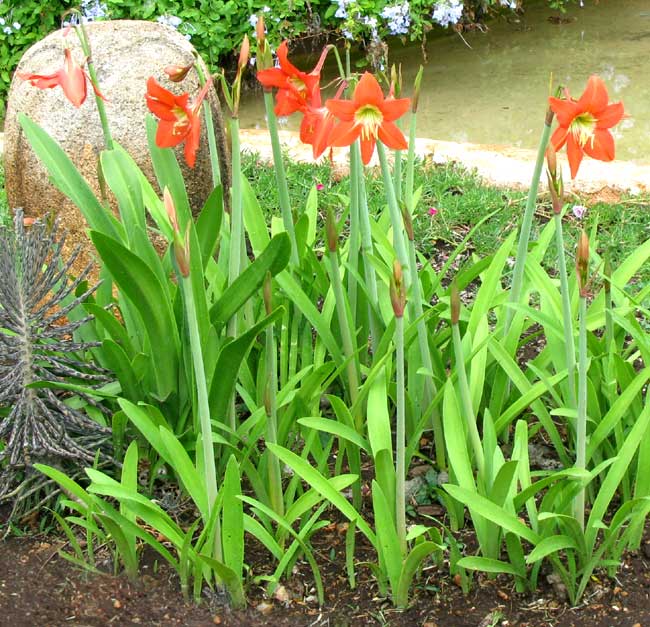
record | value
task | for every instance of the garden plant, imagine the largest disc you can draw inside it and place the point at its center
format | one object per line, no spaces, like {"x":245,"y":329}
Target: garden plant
{"x":285,"y":375}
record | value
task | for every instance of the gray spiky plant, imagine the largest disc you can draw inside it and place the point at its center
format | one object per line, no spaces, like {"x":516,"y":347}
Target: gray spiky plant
{"x":37,"y":344}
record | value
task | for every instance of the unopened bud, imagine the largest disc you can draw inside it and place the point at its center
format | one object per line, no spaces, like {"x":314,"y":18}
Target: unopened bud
{"x":182,"y":253}
{"x":454,"y":302}
{"x":244,"y":54}
{"x":260,"y":31}
{"x":397,"y":290}
{"x":268,"y":294}
{"x":551,"y":161}
{"x":582,"y":262}
{"x":395,"y":81}
{"x":176,"y":73}
{"x":171,"y":210}
{"x":556,"y":189}
{"x":331,"y":232}
{"x":408,"y":222}
{"x":416,"y":90}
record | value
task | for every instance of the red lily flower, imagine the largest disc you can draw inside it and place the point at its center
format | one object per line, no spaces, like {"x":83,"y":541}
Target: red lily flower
{"x":584,"y":124}
{"x":368,"y":116}
{"x":71,"y":78}
{"x":179,"y":119}
{"x":317,"y":123}
{"x":295,"y":87}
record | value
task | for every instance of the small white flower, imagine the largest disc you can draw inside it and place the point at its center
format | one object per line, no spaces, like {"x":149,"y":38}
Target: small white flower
{"x":170,"y":20}
{"x":7,"y":30}
{"x":252,"y":61}
{"x":448,"y":12}
{"x":253,"y":20}
{"x":16,"y":25}
{"x":2,"y":21}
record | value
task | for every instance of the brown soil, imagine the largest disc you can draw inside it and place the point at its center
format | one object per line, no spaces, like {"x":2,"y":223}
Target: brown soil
{"x":39,"y":588}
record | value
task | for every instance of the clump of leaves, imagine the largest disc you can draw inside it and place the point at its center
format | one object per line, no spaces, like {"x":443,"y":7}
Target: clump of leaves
{"x":40,"y":424}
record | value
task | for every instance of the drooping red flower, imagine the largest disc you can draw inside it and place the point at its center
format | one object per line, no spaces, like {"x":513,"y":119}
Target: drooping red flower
{"x":179,"y":119}
{"x":317,"y":123}
{"x":71,"y":78}
{"x":584,"y":124}
{"x":368,"y":116}
{"x":295,"y":87}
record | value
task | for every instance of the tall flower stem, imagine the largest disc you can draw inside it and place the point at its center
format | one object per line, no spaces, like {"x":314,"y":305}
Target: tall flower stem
{"x":400,"y":437}
{"x":342,"y":313}
{"x":527,"y":223}
{"x":410,"y":164}
{"x":209,"y":126}
{"x":367,"y":250}
{"x":281,"y":177}
{"x":80,"y":29}
{"x":465,"y":395}
{"x":417,"y":311}
{"x":567,"y":314}
{"x":209,"y":468}
{"x":393,"y":208}
{"x":581,"y":425}
{"x":353,"y":240}
{"x":270,"y":402}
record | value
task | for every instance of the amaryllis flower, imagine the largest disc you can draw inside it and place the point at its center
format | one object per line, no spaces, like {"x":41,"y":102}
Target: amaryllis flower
{"x":71,"y":78}
{"x":584,"y":124}
{"x":368,"y":116}
{"x":317,"y":123}
{"x":294,"y":86}
{"x":179,"y":119}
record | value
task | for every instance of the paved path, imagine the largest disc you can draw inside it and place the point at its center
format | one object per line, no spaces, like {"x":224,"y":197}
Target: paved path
{"x":500,"y":165}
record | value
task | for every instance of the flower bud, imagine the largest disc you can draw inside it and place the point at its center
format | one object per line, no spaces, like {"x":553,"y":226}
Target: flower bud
{"x":408,"y":222}
{"x":176,"y":73}
{"x":244,"y":54}
{"x":260,"y":32}
{"x":416,"y":90}
{"x":171,"y":210}
{"x":551,"y":161}
{"x":556,"y":189}
{"x":397,"y":290}
{"x":582,"y":262}
{"x":454,"y":302}
{"x":268,"y":294}
{"x":331,"y":232}
{"x":182,"y":253}
{"x":395,"y":89}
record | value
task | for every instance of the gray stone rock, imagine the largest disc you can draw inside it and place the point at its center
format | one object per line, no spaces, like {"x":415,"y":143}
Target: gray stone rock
{"x":125,"y":54}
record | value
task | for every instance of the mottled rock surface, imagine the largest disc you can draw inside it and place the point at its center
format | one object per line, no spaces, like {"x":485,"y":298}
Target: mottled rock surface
{"x":125,"y":54}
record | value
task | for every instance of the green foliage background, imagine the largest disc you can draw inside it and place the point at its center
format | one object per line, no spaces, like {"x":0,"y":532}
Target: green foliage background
{"x":216,"y":27}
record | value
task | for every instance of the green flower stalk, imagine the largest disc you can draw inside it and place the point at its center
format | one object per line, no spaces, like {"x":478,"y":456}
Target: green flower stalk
{"x":367,"y":250}
{"x":556,"y":189}
{"x":416,"y":312}
{"x":395,"y":91}
{"x":410,"y":156}
{"x":353,"y":240}
{"x":270,"y":404}
{"x":265,"y":61}
{"x":582,"y":270}
{"x":342,"y":312}
{"x":182,"y":257}
{"x":527,"y":223}
{"x":398,"y":300}
{"x":465,"y":395}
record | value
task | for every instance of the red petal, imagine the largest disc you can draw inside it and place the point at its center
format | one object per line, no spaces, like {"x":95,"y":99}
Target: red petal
{"x":344,"y":134}
{"x":559,"y":137}
{"x":368,"y":91}
{"x":166,"y":137}
{"x":574,"y":153}
{"x":342,"y":109}
{"x":594,"y":98}
{"x":192,"y":142}
{"x":287,"y":102}
{"x":73,"y":80}
{"x":286,"y":66}
{"x":322,"y":137}
{"x":367,"y":148}
{"x":272,"y":77}
{"x":42,"y":81}
{"x":390,"y":135}
{"x":565,"y":110}
{"x":611,"y":116}
{"x":600,"y":146}
{"x":395,"y":109}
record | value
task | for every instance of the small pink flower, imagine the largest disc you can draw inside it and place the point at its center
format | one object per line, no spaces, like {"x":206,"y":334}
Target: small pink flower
{"x":432,"y":211}
{"x":579,"y":211}
{"x":320,"y":187}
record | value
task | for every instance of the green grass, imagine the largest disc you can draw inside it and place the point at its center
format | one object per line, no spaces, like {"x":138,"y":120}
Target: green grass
{"x":461,"y":200}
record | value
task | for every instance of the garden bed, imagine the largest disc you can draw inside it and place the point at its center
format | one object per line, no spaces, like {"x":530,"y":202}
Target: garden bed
{"x":37,"y":587}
